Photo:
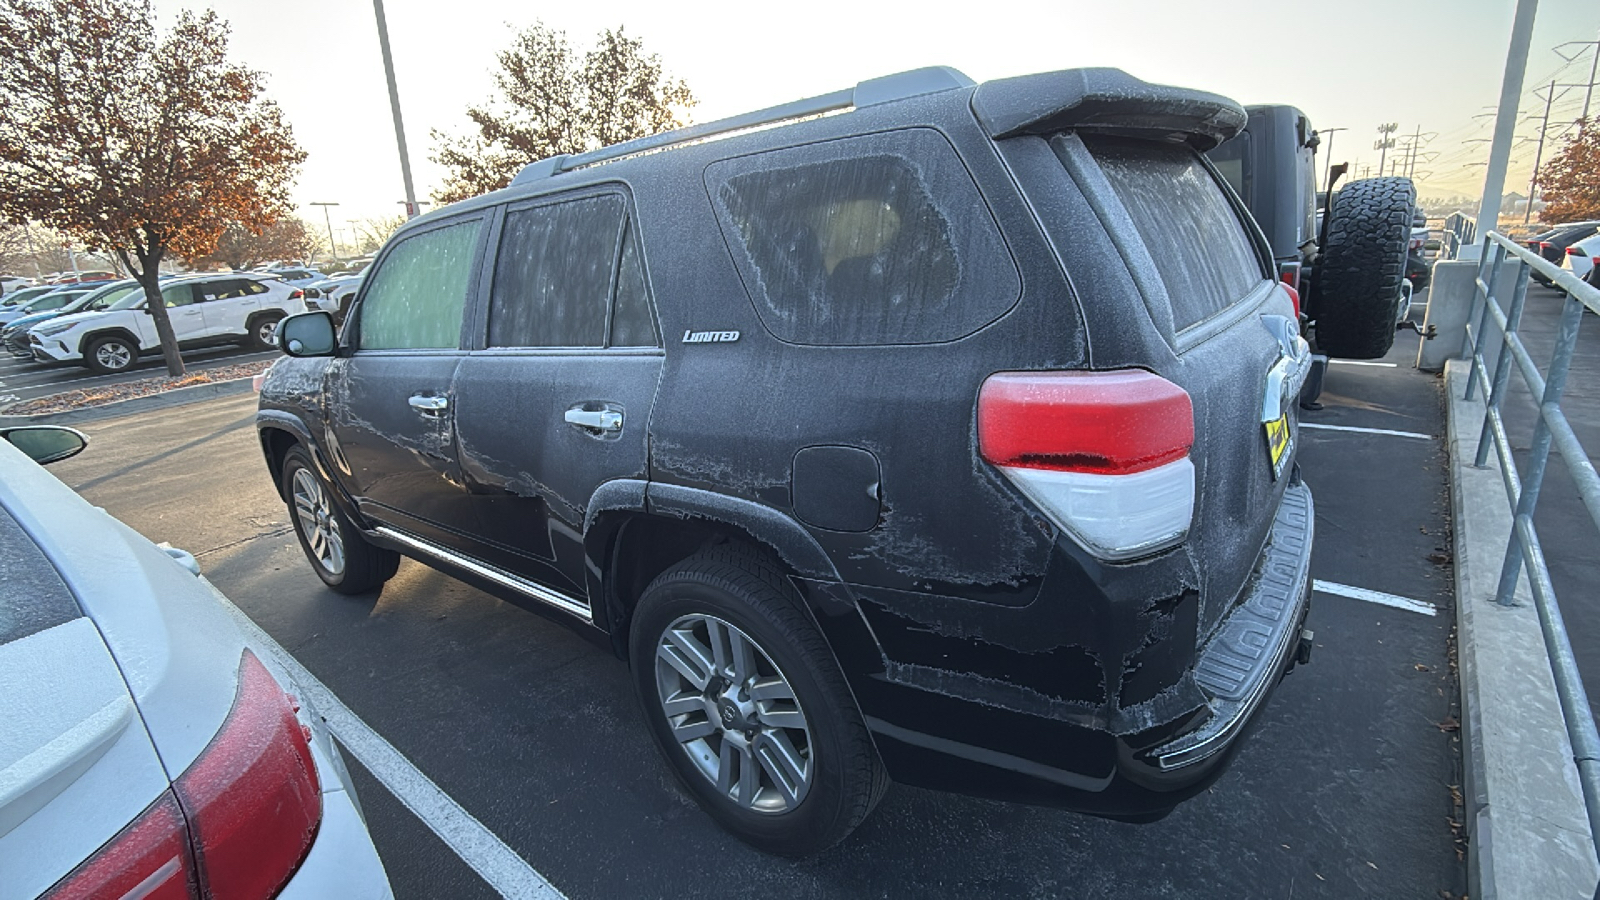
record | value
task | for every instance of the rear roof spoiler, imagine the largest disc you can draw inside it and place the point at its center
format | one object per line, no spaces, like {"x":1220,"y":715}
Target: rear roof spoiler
{"x":1105,"y":101}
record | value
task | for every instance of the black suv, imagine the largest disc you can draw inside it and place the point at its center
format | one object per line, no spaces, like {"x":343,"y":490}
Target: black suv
{"x":934,"y":431}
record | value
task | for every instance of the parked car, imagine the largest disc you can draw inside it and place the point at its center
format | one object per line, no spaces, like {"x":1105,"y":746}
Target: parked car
{"x":299,"y":277}
{"x":808,"y":423}
{"x":1347,"y":265}
{"x":149,"y":748}
{"x":205,"y":311}
{"x":333,"y":296}
{"x":1552,"y":244}
{"x":44,"y":302}
{"x":1579,"y":256}
{"x":60,"y":278}
{"x":19,"y":297}
{"x":9,"y":283}
{"x":15,"y":334}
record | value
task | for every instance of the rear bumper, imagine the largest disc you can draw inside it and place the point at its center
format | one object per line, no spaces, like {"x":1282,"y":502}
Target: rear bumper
{"x":979,"y":734}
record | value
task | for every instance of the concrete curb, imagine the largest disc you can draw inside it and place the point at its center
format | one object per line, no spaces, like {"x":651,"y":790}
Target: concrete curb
{"x":163,"y":400}
{"x":1528,"y":832}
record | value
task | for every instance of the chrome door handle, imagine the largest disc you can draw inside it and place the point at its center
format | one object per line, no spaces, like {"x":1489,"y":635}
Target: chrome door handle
{"x":606,"y":420}
{"x":429,"y":405}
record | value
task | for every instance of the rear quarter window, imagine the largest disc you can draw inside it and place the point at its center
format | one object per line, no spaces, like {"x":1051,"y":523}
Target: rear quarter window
{"x":36,"y":598}
{"x":878,"y":239}
{"x":1204,"y":256}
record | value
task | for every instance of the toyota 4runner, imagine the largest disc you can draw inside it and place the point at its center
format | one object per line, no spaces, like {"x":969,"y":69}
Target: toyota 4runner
{"x":927,"y":430}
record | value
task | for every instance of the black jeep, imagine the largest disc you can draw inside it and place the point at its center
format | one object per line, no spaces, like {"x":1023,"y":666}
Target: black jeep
{"x":930,"y":431}
{"x":1347,"y":260}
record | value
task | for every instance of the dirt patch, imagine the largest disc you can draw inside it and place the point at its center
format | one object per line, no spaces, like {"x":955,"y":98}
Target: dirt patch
{"x":126,"y":390}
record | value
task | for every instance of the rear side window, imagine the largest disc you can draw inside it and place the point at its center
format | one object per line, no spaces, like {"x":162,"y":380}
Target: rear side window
{"x":414,"y":300}
{"x":878,"y":239}
{"x":552,"y":279}
{"x":36,"y":596}
{"x":1201,"y":250}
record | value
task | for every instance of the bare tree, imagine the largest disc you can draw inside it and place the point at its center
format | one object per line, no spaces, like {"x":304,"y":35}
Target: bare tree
{"x":370,"y":234}
{"x":553,"y":101}
{"x":133,"y":142}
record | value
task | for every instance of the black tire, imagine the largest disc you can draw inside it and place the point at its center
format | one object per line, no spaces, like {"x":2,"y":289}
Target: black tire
{"x":111,"y":354}
{"x":260,"y":330}
{"x":1361,"y":266}
{"x":739,"y":587}
{"x":360,"y":567}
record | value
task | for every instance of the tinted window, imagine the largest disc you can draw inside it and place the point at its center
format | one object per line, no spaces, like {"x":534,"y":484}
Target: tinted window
{"x":178,"y":294}
{"x":415,"y":299}
{"x":1200,"y":248}
{"x":631,"y":323}
{"x":867,"y":240}
{"x":552,"y":279}
{"x":228,"y":290}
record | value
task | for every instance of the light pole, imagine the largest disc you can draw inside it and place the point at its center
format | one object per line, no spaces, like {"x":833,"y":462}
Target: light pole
{"x":1505,"y":121}
{"x":1383,"y":144}
{"x":394,"y":105}
{"x":332,"y":247}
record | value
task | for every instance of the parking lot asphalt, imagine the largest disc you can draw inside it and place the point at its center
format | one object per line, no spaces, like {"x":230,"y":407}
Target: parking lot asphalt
{"x":1343,"y":789}
{"x":22,"y":379}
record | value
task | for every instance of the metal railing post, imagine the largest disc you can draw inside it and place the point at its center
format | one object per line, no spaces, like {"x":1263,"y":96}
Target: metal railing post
{"x":1555,"y":384}
{"x":1502,"y":366}
{"x":1484,"y":288}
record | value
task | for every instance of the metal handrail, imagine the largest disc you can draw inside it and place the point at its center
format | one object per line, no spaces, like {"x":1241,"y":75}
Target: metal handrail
{"x":1550,"y":429}
{"x":1460,"y":230}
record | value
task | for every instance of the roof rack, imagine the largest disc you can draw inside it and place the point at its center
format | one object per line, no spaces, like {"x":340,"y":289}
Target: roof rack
{"x":887,"y":89}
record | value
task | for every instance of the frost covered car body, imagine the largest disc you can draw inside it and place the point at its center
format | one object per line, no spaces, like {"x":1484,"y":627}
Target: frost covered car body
{"x":147,"y":748}
{"x":806,"y":422}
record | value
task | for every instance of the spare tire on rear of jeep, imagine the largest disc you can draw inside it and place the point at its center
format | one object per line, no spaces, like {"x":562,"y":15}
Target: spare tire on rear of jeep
{"x":1362,"y":263}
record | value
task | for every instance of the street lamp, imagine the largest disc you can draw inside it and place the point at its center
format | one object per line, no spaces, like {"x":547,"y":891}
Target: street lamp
{"x":332,"y":247}
{"x":394,"y":106}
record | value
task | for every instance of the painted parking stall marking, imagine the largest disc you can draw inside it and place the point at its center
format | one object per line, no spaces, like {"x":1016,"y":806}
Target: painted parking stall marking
{"x":1355,"y":430}
{"x":478,"y":847}
{"x":1379,"y":597}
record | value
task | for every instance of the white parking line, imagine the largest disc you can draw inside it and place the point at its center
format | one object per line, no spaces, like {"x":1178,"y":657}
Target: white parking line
{"x":1378,"y":597}
{"x":1354,"y":429}
{"x":1362,"y":362}
{"x":478,"y":847}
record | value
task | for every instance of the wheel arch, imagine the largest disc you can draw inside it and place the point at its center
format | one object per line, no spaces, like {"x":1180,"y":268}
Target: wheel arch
{"x":115,"y":331}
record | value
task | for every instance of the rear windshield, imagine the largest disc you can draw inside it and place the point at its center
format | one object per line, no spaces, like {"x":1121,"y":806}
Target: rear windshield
{"x":1201,"y":250}
{"x":36,"y":597}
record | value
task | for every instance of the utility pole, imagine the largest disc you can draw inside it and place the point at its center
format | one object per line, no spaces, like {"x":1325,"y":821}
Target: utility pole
{"x":1594,"y":69}
{"x":332,"y":247}
{"x":1383,"y":144}
{"x":1505,"y":120}
{"x":1538,"y":155}
{"x":1327,"y":167}
{"x":394,"y":106}
{"x":413,"y":207}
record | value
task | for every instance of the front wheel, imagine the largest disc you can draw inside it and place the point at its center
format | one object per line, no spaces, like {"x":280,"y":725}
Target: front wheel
{"x":748,"y":706}
{"x":110,"y":355}
{"x":263,"y":332}
{"x":338,"y":553}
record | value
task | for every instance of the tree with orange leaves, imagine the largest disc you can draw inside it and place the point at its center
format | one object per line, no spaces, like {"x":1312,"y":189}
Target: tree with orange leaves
{"x":1570,"y":182}
{"x":134,"y":142}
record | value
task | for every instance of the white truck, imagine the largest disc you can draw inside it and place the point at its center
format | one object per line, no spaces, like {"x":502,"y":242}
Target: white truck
{"x":206,"y":310}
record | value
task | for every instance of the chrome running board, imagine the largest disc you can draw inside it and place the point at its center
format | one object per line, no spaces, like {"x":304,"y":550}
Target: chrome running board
{"x":505,"y":579}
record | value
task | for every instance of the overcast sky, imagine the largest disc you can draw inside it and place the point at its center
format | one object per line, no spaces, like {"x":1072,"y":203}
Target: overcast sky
{"x":1350,"y":63}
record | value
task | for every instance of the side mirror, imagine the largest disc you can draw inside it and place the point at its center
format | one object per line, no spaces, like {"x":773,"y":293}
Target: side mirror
{"x":45,"y":444}
{"x":307,"y":334}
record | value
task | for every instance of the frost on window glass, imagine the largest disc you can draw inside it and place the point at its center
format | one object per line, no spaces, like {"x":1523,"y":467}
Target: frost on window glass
{"x":876,"y":239}
{"x":552,"y":280}
{"x":1200,"y":248}
{"x":415,"y":298}
{"x":631,"y":322}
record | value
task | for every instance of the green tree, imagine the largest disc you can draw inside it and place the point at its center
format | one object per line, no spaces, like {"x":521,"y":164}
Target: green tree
{"x":1570,"y":181}
{"x":551,"y":100}
{"x":134,"y":142}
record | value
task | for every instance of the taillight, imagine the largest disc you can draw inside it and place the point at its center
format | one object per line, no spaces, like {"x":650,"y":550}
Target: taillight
{"x":296,"y":294}
{"x":1289,"y":274}
{"x":1576,"y":251}
{"x":1545,"y":245}
{"x":242,"y":819}
{"x":1105,"y":455}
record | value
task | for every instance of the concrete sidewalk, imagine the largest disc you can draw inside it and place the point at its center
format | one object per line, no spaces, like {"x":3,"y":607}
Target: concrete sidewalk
{"x":1529,"y":834}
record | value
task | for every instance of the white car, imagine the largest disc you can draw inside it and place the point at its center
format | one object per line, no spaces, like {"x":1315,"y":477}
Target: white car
{"x":44,"y":302}
{"x":9,"y":283}
{"x":148,"y":748}
{"x":332,"y":295}
{"x":241,"y":308}
{"x":298,"y":276}
{"x":1579,"y":258}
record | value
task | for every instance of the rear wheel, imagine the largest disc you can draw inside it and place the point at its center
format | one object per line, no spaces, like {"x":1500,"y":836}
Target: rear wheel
{"x":1361,"y":266}
{"x":748,"y":707}
{"x":110,"y":355}
{"x":338,"y":553}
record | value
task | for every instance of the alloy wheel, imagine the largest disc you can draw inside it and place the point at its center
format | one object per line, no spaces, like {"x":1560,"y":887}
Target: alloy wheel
{"x":735,"y":714}
{"x":317,"y":522}
{"x":113,"y":355}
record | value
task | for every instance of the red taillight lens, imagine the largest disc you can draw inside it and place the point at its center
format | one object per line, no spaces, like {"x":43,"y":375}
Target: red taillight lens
{"x":252,"y":797}
{"x":1545,"y":245}
{"x":297,"y":294}
{"x":236,"y":824}
{"x":1289,"y":274}
{"x":1110,"y":423}
{"x":1576,"y":251}
{"x":148,"y":859}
